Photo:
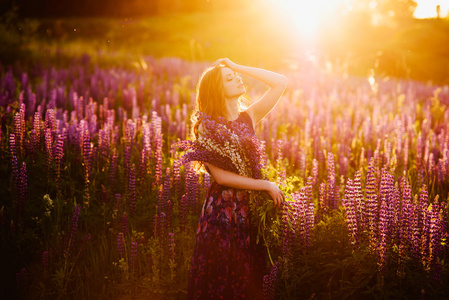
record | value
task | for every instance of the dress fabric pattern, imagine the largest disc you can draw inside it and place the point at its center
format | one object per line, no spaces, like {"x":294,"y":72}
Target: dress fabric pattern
{"x":227,"y":263}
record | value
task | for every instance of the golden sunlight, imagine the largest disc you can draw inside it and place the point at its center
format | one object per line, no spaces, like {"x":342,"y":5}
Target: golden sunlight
{"x":306,"y":15}
{"x":428,"y":8}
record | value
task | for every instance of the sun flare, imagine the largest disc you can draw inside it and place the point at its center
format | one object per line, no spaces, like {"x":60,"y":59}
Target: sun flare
{"x":428,"y":8}
{"x":305,"y":15}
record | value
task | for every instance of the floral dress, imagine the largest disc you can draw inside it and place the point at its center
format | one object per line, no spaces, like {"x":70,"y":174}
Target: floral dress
{"x":227,"y":263}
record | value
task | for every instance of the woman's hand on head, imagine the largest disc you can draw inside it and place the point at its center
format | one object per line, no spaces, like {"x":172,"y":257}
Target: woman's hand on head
{"x":275,"y":193}
{"x":226,"y":62}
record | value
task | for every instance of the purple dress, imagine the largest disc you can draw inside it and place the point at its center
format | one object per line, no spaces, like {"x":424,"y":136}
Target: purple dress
{"x":227,"y":263}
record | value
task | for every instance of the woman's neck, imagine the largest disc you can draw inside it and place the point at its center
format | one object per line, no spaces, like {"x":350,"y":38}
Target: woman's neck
{"x":232,"y":107}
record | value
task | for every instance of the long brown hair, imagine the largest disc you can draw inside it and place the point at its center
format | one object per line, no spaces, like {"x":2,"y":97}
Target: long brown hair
{"x":210,"y":97}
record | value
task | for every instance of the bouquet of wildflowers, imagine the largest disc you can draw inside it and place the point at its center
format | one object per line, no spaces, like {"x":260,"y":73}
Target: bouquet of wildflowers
{"x":234,"y":147}
{"x":229,"y":145}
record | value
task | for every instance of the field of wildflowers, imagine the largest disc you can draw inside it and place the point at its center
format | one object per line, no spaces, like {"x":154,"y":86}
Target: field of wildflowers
{"x":95,"y":203}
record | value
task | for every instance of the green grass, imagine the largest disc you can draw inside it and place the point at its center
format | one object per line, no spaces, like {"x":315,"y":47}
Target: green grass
{"x":412,"y":50}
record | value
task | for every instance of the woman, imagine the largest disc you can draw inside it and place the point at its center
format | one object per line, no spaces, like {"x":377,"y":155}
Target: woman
{"x":227,"y":263}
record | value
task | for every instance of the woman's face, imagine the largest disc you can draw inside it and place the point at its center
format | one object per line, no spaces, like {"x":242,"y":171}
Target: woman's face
{"x":232,"y":83}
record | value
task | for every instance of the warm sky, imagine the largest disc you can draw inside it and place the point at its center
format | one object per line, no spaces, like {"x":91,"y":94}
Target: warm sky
{"x":427,"y":8}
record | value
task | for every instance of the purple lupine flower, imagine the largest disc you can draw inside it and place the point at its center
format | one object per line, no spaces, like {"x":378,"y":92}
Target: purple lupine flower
{"x":405,"y":234}
{"x":50,"y":119}
{"x":332,"y":196}
{"x":142,"y":165}
{"x":156,"y":128}
{"x":113,"y":167}
{"x":314,"y":172}
{"x":437,"y":235}
{"x":15,"y":172}
{"x":59,"y":153}
{"x":132,"y":191}
{"x":125,"y":223}
{"x":22,"y":189}
{"x":309,"y":189}
{"x":322,"y":199}
{"x":12,"y":144}
{"x":71,"y":233}
{"x":177,"y":184}
{"x":121,"y":245}
{"x":359,"y":204}
{"x":351,"y":213}
{"x":383,"y":236}
{"x":269,"y":282}
{"x":49,"y":150}
{"x":305,"y":218}
{"x":310,"y":217}
{"x":183,"y":211}
{"x":416,"y":231}
{"x":386,"y":195}
{"x":171,"y":246}
{"x":192,"y":189}
{"x":23,"y":279}
{"x":134,"y":255}
{"x":286,"y":232}
{"x":104,"y":142}
{"x":86,"y":162}
{"x":19,"y":130}
{"x":426,"y":215}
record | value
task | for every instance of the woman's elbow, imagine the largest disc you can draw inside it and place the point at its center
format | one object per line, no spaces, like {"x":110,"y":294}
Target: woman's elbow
{"x":284,"y":81}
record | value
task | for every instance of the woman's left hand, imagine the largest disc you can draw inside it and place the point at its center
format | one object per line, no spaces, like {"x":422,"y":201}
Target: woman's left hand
{"x":227,"y":62}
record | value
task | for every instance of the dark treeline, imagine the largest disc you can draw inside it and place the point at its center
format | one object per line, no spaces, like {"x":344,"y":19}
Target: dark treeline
{"x":115,"y":8}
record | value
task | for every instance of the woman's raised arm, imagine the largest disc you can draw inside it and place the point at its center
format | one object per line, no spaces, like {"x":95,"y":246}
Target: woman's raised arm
{"x":277,"y":83}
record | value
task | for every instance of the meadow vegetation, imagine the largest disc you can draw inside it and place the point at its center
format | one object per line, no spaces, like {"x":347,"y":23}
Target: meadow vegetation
{"x":95,"y":204}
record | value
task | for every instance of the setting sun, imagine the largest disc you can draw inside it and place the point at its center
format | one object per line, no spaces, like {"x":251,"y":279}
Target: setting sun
{"x":306,"y":15}
{"x":428,"y":8}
